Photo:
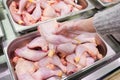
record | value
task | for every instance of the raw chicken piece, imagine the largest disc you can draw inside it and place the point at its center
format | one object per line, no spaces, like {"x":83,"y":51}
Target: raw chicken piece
{"x":29,"y":54}
{"x":45,"y":61}
{"x":39,"y":42}
{"x":21,"y":66}
{"x":86,"y":37}
{"x":49,"y":62}
{"x":70,"y":59}
{"x":44,"y":4}
{"x":37,"y":11}
{"x":22,"y":4}
{"x":51,"y":25}
{"x":30,"y":7}
{"x":56,"y":61}
{"x":90,"y":61}
{"x":49,"y":12}
{"x":44,"y":18}
{"x":58,"y":39}
{"x":91,"y":49}
{"x":75,"y":9}
{"x":66,"y":48}
{"x":62,"y":10}
{"x":52,"y":50}
{"x":23,"y":72}
{"x":63,"y":61}
{"x":26,"y":76}
{"x":71,"y":68}
{"x":83,"y":60}
{"x":79,"y":51}
{"x":28,"y":18}
{"x":44,"y":73}
{"x":15,"y":59}
{"x":71,"y":2}
{"x":99,"y":56}
{"x":49,"y":34}
{"x":80,"y":64}
{"x":13,"y":9}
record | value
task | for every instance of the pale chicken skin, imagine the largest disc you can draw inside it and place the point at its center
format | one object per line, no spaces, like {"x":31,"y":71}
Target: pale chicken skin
{"x":56,"y":61}
{"x":86,"y":37}
{"x":37,"y":11}
{"x":41,"y":10}
{"x":39,"y":42}
{"x":13,"y":10}
{"x":24,"y":69}
{"x":30,"y":7}
{"x":44,"y":73}
{"x":27,"y":18}
{"x":92,"y":50}
{"x":29,"y":54}
{"x":49,"y":12}
{"x":80,"y":50}
{"x":67,"y":48}
{"x":62,"y":10}
{"x":22,"y":4}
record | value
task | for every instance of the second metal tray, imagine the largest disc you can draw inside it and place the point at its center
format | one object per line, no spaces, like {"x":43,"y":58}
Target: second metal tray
{"x":105,"y":4}
{"x":25,"y":29}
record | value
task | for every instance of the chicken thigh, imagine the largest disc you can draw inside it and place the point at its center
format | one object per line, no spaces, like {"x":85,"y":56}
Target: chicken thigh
{"x":23,"y":72}
{"x":39,"y":42}
{"x":44,"y":73}
{"x":29,"y":54}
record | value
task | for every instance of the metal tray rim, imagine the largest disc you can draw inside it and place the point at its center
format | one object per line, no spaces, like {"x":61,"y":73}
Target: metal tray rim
{"x":1,"y":32}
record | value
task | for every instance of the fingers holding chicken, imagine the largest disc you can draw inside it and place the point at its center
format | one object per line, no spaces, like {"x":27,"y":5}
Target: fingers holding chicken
{"x":49,"y":34}
{"x":86,"y":37}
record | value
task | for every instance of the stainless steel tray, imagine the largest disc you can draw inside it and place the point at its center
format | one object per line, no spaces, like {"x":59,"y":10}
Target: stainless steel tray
{"x":105,"y":4}
{"x":23,"y":40}
{"x":23,"y":29}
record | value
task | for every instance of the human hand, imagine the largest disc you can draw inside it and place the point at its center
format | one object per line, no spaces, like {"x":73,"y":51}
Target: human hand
{"x":66,"y":27}
{"x":79,"y":25}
